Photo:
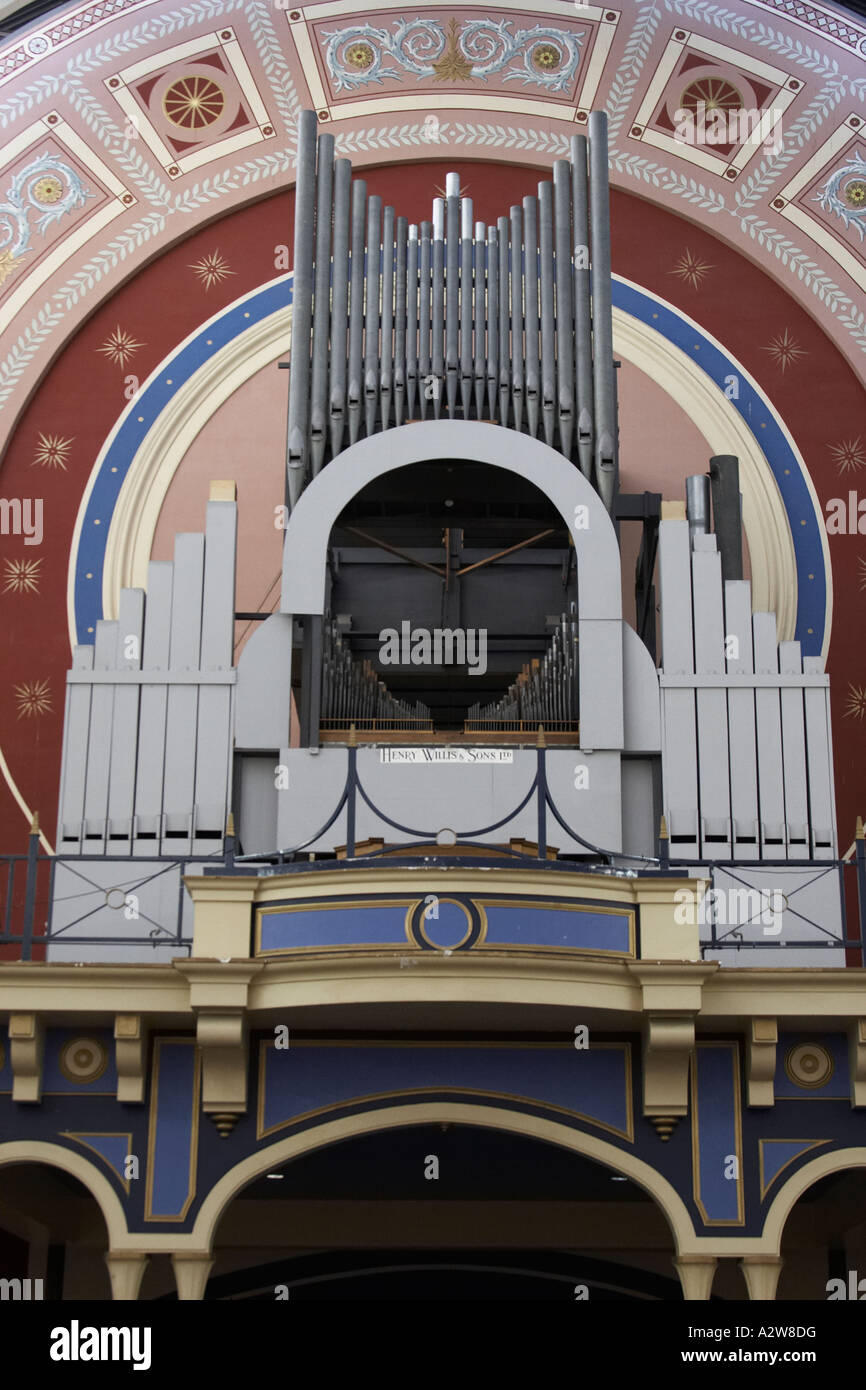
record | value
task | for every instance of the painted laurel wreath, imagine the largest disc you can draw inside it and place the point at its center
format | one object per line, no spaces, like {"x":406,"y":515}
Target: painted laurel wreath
{"x":360,"y":53}
{"x":46,"y":185}
{"x":844,"y":194}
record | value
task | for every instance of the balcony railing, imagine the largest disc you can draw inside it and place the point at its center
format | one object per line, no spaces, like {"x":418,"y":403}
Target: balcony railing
{"x":52,"y":901}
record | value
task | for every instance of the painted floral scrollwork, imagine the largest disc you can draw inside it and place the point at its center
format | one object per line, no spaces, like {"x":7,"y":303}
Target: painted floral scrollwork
{"x":544,"y":55}
{"x":844,"y":193}
{"x":46,"y":185}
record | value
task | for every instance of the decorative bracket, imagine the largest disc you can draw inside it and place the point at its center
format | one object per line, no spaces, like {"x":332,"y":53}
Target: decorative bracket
{"x":857,"y":1057}
{"x":218,"y":996}
{"x":130,"y":1050}
{"x":761,"y":1060}
{"x":26,"y":1046}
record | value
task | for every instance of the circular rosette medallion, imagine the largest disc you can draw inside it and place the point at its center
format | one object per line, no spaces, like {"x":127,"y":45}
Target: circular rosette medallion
{"x":546,"y":57}
{"x":444,"y":924}
{"x":854,"y":194}
{"x":83,"y":1060}
{"x":809,"y":1065}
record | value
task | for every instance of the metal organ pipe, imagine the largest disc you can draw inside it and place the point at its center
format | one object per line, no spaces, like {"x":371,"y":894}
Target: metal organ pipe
{"x":400,"y":303}
{"x":582,"y":315}
{"x":530,"y":279}
{"x":340,"y":307}
{"x":412,"y":295}
{"x":302,"y":296}
{"x":452,"y":288}
{"x":564,"y":303}
{"x":356,"y":307}
{"x":371,"y":330}
{"x":504,"y":322}
{"x":321,"y":303}
{"x":438,"y":319}
{"x":492,"y":320}
{"x":517,"y":315}
{"x":466,"y":305}
{"x":548,"y":349}
{"x":424,"y":318}
{"x":386,"y":369}
{"x":480,"y":293}
{"x":606,"y":463}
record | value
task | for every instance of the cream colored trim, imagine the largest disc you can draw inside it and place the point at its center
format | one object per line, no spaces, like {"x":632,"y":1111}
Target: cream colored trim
{"x":33,"y":1151}
{"x":791,"y":1191}
{"x":445,"y":1112}
{"x":349,"y":9}
{"x":459,"y":101}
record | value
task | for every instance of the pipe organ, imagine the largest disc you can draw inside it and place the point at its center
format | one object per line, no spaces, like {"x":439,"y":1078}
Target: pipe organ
{"x":451,"y":318}
{"x":545,"y":692}
{"x":486,"y":353}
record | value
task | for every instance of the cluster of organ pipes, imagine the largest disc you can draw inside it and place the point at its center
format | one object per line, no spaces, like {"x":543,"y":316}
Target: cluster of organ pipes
{"x":545,"y":692}
{"x":391,"y":322}
{"x":352,"y":693}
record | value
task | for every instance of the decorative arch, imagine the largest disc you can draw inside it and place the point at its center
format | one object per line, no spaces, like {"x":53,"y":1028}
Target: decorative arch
{"x":306,"y":540}
{"x":100,"y":1189}
{"x":804,"y":1178}
{"x":441,"y":1112}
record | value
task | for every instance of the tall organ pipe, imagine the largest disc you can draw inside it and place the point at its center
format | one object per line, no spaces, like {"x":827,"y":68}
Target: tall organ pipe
{"x":480,"y":293}
{"x":530,"y":279}
{"x":302,"y":307}
{"x":437,"y":351}
{"x":517,"y":314}
{"x":582,"y":316}
{"x":452,"y":286}
{"x":492,"y":320}
{"x":504,"y":322}
{"x":321,"y":303}
{"x":371,"y":331}
{"x":412,"y":297}
{"x":356,"y":307}
{"x":340,"y":307}
{"x":564,"y":304}
{"x":548,"y":358}
{"x":606,"y":465}
{"x":424,"y":319}
{"x":400,"y":303}
{"x":465,"y":305}
{"x":386,"y":370}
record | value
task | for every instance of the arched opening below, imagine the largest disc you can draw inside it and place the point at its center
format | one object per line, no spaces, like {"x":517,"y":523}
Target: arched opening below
{"x":52,"y":1234}
{"x":442,"y":1211}
{"x":824,"y":1241}
{"x":452,"y":606}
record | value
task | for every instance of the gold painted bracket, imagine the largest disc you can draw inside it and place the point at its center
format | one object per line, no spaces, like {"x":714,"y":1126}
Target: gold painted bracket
{"x":130,"y":1050}
{"x":857,"y":1059}
{"x":761,"y":1061}
{"x":26,"y":1047}
{"x":219,"y":997}
{"x":668,"y":1043}
{"x":671,"y":1001}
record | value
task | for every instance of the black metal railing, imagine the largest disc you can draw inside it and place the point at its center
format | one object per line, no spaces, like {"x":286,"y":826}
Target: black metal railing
{"x":41,"y":893}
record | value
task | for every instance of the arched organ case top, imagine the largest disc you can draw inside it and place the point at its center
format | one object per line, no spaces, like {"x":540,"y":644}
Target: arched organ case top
{"x":393,"y":322}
